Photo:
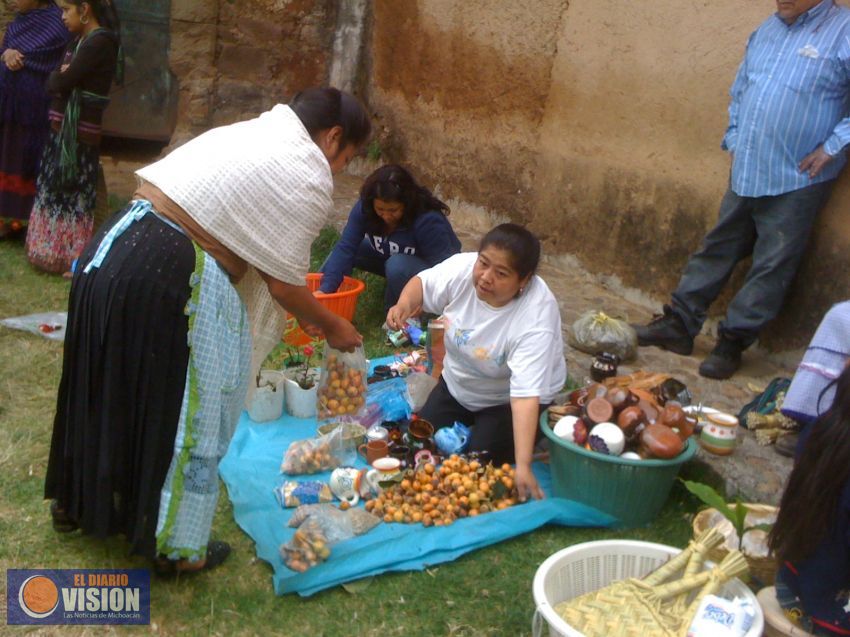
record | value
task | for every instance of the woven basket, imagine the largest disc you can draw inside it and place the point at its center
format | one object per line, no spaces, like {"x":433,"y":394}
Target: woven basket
{"x":763,"y":569}
{"x":575,"y":571}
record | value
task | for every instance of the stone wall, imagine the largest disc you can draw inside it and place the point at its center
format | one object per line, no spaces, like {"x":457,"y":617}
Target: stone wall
{"x":235,"y":59}
{"x":597,"y":122}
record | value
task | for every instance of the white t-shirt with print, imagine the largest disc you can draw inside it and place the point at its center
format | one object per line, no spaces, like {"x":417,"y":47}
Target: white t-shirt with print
{"x":495,"y":353}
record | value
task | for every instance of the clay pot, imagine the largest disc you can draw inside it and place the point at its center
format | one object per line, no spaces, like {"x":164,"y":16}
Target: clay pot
{"x":578,"y":397}
{"x":629,"y":419}
{"x":672,"y":415}
{"x":649,"y":409}
{"x":659,"y":441}
{"x":618,"y":398}
{"x":599,"y":410}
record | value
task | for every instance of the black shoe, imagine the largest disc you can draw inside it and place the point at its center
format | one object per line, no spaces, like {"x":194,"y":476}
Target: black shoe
{"x":666,"y":331}
{"x":217,"y":552}
{"x":724,"y":360}
{"x":61,"y":522}
{"x":786,"y":445}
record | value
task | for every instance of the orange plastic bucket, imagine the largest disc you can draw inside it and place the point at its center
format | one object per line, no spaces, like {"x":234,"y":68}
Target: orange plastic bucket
{"x":343,"y":302}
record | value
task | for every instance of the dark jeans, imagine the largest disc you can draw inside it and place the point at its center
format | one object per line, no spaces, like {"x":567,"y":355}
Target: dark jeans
{"x":397,"y":270}
{"x":775,"y":231}
{"x":491,"y":429}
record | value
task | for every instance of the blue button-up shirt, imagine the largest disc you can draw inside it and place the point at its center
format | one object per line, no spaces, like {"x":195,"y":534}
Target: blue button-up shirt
{"x":790,"y":97}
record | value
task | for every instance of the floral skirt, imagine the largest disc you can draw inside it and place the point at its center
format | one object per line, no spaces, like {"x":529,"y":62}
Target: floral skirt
{"x":62,"y":219}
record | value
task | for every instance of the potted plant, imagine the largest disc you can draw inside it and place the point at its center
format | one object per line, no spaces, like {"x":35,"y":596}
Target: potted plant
{"x":301,"y":380}
{"x":265,"y":402}
{"x":743,"y":518}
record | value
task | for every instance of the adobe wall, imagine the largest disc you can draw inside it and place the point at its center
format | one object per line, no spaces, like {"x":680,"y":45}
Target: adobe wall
{"x":597,"y":122}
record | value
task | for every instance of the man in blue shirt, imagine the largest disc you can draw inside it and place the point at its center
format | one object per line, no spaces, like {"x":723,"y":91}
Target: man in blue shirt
{"x":788,"y":126}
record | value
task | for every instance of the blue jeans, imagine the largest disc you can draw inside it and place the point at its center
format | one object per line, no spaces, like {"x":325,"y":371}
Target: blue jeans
{"x":398,"y":269}
{"x":775,"y":231}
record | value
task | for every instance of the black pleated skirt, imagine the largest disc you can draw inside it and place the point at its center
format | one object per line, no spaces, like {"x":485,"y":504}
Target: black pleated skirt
{"x":123,"y":375}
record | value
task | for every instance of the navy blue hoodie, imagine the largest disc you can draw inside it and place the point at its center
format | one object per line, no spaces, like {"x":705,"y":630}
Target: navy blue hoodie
{"x":431,"y":238}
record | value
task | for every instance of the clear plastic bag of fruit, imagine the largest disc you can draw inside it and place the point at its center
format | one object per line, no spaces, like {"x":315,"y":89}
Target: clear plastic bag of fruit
{"x":341,"y":395}
{"x":320,"y":526}
{"x":313,"y":455}
{"x":595,"y":332}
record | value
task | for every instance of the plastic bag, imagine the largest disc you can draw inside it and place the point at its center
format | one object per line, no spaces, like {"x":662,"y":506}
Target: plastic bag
{"x":294,"y":494}
{"x":595,"y":332}
{"x":50,"y":325}
{"x":386,"y":400}
{"x":320,"y":526}
{"x":419,"y":387}
{"x":341,"y":395}
{"x":313,"y":455}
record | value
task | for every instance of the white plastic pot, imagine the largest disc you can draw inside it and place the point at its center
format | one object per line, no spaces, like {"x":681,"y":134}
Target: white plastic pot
{"x":301,"y":403}
{"x":266,"y":402}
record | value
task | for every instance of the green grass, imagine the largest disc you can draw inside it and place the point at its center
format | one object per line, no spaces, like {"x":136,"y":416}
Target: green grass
{"x":484,"y":593}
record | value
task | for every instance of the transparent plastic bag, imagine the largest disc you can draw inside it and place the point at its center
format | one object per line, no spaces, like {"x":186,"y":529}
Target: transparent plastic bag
{"x":50,"y":325}
{"x":419,"y":387}
{"x":313,"y":455}
{"x":595,"y":332}
{"x":320,"y":526}
{"x":341,"y":395}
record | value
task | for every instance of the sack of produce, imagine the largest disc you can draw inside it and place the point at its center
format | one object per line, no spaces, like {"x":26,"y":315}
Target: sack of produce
{"x":313,"y":455}
{"x":595,"y":332}
{"x":342,"y":385}
{"x":320,"y":526}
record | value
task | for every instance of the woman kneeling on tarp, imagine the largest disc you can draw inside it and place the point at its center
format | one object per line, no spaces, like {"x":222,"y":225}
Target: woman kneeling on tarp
{"x":396,"y":229}
{"x":504,"y":358}
{"x":811,"y":536}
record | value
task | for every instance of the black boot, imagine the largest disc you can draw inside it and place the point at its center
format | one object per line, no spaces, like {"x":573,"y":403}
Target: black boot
{"x":724,"y":360}
{"x":666,"y":331}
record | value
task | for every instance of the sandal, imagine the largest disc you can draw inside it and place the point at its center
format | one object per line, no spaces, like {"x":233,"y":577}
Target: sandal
{"x":61,"y":522}
{"x":217,"y":552}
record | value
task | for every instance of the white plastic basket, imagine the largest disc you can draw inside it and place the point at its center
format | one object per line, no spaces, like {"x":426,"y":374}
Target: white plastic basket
{"x":587,"y":567}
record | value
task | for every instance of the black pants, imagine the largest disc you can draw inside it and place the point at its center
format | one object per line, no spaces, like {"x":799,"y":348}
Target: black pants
{"x":775,"y":231}
{"x":491,"y":429}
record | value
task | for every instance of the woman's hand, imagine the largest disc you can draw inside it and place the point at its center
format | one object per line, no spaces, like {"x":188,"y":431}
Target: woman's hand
{"x":64,"y":68}
{"x":13,"y":59}
{"x":344,"y":336}
{"x":526,"y":483}
{"x":397,"y":316}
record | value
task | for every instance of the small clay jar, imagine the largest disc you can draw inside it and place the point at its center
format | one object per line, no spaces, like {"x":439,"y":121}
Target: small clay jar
{"x":672,"y":415}
{"x":599,"y":410}
{"x":659,"y":441}
{"x":629,"y":419}
{"x":604,"y":366}
{"x":618,"y":398}
{"x":578,"y":397}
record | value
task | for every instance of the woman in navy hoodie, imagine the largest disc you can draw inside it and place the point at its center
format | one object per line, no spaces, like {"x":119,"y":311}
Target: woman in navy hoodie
{"x":396,"y":229}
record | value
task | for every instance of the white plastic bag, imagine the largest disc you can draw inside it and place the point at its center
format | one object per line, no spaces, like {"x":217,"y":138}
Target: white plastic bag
{"x":50,"y":325}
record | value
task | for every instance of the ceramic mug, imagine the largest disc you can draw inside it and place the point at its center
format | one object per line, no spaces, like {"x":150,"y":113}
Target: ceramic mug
{"x":452,"y":439}
{"x":719,"y":434}
{"x":402,"y":452}
{"x":383,"y":470}
{"x":373,"y":450}
{"x":345,"y":484}
{"x":419,"y":435}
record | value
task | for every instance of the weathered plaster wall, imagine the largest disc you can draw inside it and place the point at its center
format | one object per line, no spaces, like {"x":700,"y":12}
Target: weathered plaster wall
{"x":235,"y":59}
{"x":598,"y":122}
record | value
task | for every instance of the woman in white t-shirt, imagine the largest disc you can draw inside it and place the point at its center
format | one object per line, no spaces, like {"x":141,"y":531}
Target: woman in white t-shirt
{"x":504,"y":358}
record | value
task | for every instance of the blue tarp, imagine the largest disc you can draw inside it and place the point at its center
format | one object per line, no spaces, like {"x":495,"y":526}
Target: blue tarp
{"x":251,"y":471}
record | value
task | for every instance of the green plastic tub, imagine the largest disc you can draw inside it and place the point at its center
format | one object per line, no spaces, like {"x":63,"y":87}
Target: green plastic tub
{"x":633,"y":491}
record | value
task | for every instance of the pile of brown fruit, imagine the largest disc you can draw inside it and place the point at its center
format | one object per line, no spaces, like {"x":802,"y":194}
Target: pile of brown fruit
{"x":437,"y":496}
{"x":307,"y":548}
{"x":342,"y":389}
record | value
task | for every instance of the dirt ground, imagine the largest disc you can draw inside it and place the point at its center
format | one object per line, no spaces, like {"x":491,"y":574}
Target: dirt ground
{"x":757,"y":473}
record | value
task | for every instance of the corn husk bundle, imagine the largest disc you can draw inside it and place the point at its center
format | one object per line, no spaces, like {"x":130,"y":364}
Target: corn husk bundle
{"x":658,"y":605}
{"x":641,"y":379}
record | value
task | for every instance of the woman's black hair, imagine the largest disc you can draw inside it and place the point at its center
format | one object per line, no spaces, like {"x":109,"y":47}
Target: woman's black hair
{"x":320,"y":108}
{"x":395,"y":183}
{"x":522,"y":246}
{"x":107,"y":16}
{"x":810,"y":502}
{"x":104,"y":11}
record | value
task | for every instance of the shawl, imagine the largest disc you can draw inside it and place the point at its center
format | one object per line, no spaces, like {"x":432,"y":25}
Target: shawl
{"x":41,"y":36}
{"x":264,"y":190}
{"x":822,"y":363}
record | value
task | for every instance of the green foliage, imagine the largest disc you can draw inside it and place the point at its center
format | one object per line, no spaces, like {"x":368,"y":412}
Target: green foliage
{"x":373,"y":150}
{"x":736,"y":514}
